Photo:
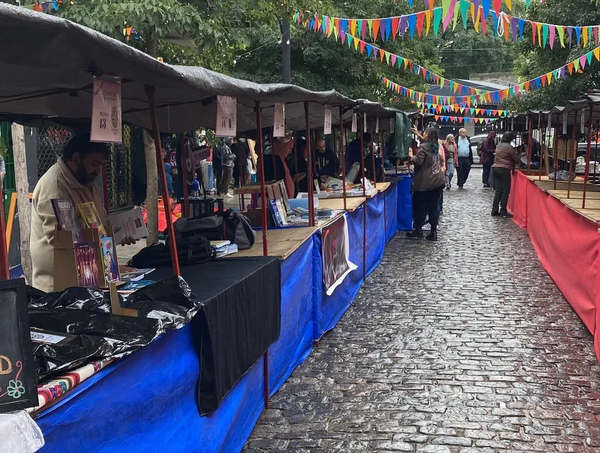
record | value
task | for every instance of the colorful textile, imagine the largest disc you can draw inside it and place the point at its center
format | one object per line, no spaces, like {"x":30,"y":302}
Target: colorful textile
{"x":59,"y":385}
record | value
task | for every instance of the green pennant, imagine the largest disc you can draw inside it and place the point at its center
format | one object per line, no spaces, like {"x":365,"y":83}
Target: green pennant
{"x":588,"y":56}
{"x":387,"y":57}
{"x":576,"y":64}
{"x":400,"y":61}
{"x":590,"y":36}
{"x":561,"y":35}
{"x":359,"y":23}
{"x":437,"y":18}
{"x":349,"y":39}
{"x":370,"y":24}
{"x":527,"y":2}
{"x":545,"y":31}
{"x":455,"y":19}
{"x":465,"y":5}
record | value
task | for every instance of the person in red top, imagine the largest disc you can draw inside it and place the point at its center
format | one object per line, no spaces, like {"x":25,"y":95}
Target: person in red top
{"x":487,"y":157}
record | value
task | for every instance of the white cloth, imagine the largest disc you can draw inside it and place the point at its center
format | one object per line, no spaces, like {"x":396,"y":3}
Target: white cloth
{"x":19,"y":433}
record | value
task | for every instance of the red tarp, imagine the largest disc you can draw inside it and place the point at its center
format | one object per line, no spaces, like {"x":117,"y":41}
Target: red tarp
{"x":567,"y":245}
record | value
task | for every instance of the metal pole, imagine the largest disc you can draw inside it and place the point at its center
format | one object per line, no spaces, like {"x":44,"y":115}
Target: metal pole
{"x":362,"y":162}
{"x":542,"y":143}
{"x":184,"y":176}
{"x":105,"y":188}
{"x":266,"y":371}
{"x":529,"y":144}
{"x":381,"y":148}
{"x":555,"y":151}
{"x":4,"y":271}
{"x":342,"y":156}
{"x":588,"y":156}
{"x":573,"y":153}
{"x":309,"y":170}
{"x":150,"y":90}
{"x":261,"y":158}
{"x":373,"y":157}
{"x":240,"y":169}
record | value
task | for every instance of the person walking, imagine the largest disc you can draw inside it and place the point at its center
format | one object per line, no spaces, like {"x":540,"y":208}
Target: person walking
{"x":488,"y":148}
{"x":465,"y":157}
{"x":505,"y":161}
{"x":428,"y":184}
{"x":451,"y":157}
{"x":227,"y":162}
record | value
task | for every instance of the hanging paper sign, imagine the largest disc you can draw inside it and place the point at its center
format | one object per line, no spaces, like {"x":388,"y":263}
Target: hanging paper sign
{"x":539,"y":122}
{"x":392,"y":125}
{"x":226,"y":116}
{"x":549,"y":125}
{"x":354,"y":122}
{"x":336,"y":254}
{"x":564,"y":128}
{"x":365,"y":123}
{"x":377,"y":126}
{"x":279,"y":120}
{"x":526,"y":122}
{"x":327,"y":121}
{"x":107,"y":123}
{"x":512,"y":124}
{"x":583,"y":121}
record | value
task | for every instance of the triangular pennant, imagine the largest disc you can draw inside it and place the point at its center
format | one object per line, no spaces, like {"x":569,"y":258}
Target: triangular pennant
{"x":514,"y":25}
{"x":395,"y":26}
{"x":578,"y":35}
{"x":561,"y":35}
{"x":427,"y":22}
{"x":420,"y":22}
{"x":370,"y":26}
{"x":393,"y":58}
{"x":374,"y":29}
{"x":350,"y":40}
{"x":596,"y":35}
{"x":437,"y":18}
{"x":497,"y":6}
{"x":570,"y":67}
{"x":570,"y":33}
{"x":486,"y":7}
{"x":464,"y":11}
{"x":455,"y":15}
{"x":585,"y":36}
{"x":521,"y":27}
{"x":343,"y":37}
{"x":545,"y":31}
{"x":388,"y":29}
{"x":353,"y":27}
{"x":582,"y":62}
{"x":448,"y":7}
{"x":539,"y":26}
{"x":387,"y":57}
{"x":588,"y":56}
{"x":597,"y":53}
{"x":576,"y":64}
{"x":509,"y":4}
{"x":403,"y":23}
{"x":549,"y":77}
{"x":412,"y":22}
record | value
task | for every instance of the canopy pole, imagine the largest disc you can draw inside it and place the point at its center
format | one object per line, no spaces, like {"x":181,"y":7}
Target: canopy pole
{"x":184,"y":177}
{"x":588,"y":156}
{"x":529,"y":144}
{"x":342,"y":157}
{"x":382,"y":152}
{"x":105,"y":188}
{"x":555,"y":151}
{"x":572,"y":157}
{"x":373,"y":156}
{"x":240,"y":171}
{"x":4,"y":271}
{"x":542,"y":153}
{"x":364,"y":191}
{"x":150,"y":91}
{"x":261,"y":158}
{"x":309,"y":169}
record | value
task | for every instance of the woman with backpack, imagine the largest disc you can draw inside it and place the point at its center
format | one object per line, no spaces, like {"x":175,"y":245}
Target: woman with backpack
{"x":428,"y":183}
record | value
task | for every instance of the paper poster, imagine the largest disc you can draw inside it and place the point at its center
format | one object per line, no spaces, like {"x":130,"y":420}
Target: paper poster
{"x":198,"y":155}
{"x":354,"y":122}
{"x":365,"y":130}
{"x":107,"y":122}
{"x":109,"y":261}
{"x":377,"y":126}
{"x":86,"y":259}
{"x":327,"y":121}
{"x":564,"y":129}
{"x":336,"y":254}
{"x":226,"y":116}
{"x":279,"y":120}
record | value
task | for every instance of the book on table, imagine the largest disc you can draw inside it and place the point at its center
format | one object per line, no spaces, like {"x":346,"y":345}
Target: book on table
{"x":128,"y":224}
{"x":65,"y":217}
{"x":91,"y":218}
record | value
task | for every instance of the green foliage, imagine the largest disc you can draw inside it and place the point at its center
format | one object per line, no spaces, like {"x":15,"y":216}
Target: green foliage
{"x":534,"y":61}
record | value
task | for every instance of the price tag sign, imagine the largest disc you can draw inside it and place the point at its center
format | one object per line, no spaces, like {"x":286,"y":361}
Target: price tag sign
{"x":583,"y":121}
{"x":365,"y":123}
{"x":226,"y":116}
{"x":354,"y":122}
{"x":327,"y":121}
{"x":279,"y":120}
{"x":377,"y":126}
{"x":564,"y":129}
{"x":107,"y":121}
{"x":392,"y":125}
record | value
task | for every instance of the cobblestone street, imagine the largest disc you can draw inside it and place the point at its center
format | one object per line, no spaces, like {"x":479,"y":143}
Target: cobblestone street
{"x":465,"y":345}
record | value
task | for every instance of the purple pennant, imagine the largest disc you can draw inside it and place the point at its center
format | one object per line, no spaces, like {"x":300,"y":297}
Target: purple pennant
{"x":514,"y":24}
{"x":477,"y":4}
{"x":402,"y":26}
{"x":562,"y":72}
{"x":570,"y":33}
{"x":382,"y":29}
{"x":596,"y":35}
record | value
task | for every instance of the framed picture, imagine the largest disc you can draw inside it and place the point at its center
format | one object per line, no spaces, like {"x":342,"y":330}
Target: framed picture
{"x":18,"y":380}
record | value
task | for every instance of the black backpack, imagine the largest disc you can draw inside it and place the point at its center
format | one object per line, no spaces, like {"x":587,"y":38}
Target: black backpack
{"x":229,"y":225}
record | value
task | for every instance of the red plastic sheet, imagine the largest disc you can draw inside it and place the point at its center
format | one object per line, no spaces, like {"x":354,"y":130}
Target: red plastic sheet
{"x":567,"y":245}
{"x":517,"y":201}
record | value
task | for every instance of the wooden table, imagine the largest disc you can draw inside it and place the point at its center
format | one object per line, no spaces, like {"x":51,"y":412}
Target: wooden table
{"x":282,"y":242}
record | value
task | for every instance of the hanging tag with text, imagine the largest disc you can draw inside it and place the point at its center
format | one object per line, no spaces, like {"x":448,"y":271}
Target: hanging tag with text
{"x":279,"y":120}
{"x":583,"y":121}
{"x":365,"y":130}
{"x":354,"y":122}
{"x":226,"y":116}
{"x":549,"y":125}
{"x":392,"y":125}
{"x":327,"y":121}
{"x":512,"y":124}
{"x":564,"y":129}
{"x":377,"y":126}
{"x":107,"y":122}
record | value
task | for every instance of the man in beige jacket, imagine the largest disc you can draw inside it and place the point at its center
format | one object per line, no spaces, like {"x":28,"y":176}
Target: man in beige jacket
{"x":71,"y":177}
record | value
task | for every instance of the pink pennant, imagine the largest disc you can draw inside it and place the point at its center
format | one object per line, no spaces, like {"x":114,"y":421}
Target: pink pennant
{"x":552,"y":34}
{"x":450,"y":14}
{"x":582,"y":61}
{"x":394,"y":58}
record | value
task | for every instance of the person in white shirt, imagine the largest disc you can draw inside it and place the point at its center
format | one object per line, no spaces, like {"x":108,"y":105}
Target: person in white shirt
{"x":465,"y":157}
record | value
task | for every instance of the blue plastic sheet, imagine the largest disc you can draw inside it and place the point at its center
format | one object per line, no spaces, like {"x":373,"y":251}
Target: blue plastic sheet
{"x":296,"y":338}
{"x":375,"y":232}
{"x":391,"y":207}
{"x":405,"y":217}
{"x":147,"y":403}
{"x":328,"y":310}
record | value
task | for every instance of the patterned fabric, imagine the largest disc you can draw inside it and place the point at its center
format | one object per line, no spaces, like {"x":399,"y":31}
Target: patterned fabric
{"x":59,"y":385}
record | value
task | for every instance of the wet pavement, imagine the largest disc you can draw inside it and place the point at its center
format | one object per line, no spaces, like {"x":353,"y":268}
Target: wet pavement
{"x":465,"y":345}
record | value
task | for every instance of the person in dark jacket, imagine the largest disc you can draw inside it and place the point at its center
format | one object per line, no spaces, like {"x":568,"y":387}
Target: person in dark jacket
{"x":488,"y":148}
{"x":353,"y":154}
{"x":326,"y":161}
{"x":504,"y":163}
{"x":428,"y":183}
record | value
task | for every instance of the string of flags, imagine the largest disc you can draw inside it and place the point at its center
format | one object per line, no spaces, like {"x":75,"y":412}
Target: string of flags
{"x":497,"y":4}
{"x":494,"y":97}
{"x":439,"y":109}
{"x":504,"y":25}
{"x":464,"y":119}
{"x":395,"y":61}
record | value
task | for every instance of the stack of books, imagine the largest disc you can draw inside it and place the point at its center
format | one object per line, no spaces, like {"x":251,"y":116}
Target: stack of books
{"x":224,"y":248}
